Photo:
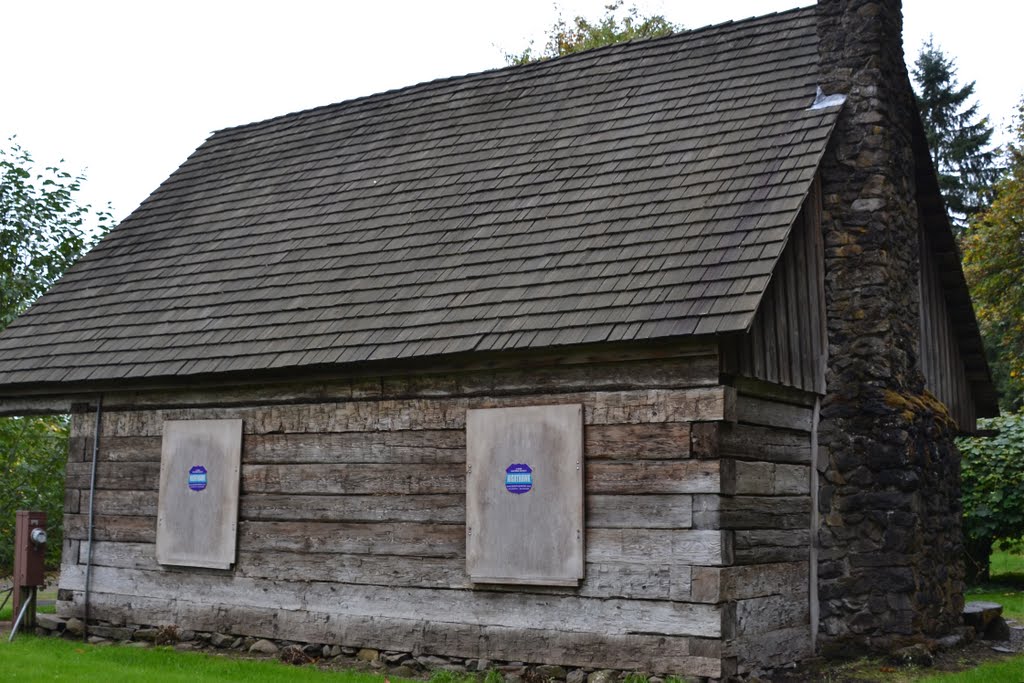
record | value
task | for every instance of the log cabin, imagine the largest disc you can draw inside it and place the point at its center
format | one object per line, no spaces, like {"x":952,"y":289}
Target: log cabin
{"x":648,"y":357}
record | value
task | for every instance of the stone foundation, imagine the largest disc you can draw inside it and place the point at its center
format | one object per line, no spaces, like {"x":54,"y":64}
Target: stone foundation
{"x":385,"y":662}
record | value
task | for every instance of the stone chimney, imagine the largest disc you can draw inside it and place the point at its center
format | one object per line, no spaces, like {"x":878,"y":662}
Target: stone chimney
{"x":890,"y":570}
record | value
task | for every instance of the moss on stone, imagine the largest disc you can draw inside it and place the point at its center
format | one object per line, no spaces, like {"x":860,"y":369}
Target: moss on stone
{"x":914,"y":406}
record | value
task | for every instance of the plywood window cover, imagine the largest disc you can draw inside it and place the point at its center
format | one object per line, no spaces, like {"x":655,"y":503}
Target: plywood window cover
{"x":533,"y":538}
{"x":198,"y":528}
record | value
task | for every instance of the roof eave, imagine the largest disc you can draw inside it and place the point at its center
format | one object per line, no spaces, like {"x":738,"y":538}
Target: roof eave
{"x":51,"y":398}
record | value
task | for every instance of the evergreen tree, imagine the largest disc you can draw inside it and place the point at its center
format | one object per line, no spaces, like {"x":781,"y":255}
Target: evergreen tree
{"x":960,"y":140}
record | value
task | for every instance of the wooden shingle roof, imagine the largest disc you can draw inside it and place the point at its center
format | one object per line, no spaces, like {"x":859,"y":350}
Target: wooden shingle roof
{"x":635,"y":192}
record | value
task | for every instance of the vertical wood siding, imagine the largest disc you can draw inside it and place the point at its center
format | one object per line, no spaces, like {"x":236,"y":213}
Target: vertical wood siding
{"x":787,"y":341}
{"x":941,"y":362}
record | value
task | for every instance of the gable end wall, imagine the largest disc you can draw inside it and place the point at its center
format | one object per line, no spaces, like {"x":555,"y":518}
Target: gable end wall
{"x":786,"y":344}
{"x":941,"y":360}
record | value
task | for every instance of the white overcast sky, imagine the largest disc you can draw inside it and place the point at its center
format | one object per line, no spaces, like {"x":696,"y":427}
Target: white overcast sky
{"x":127,"y":90}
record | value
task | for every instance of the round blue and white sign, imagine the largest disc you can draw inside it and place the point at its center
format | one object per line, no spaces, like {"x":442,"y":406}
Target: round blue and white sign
{"x":518,"y":478}
{"x":197,"y":478}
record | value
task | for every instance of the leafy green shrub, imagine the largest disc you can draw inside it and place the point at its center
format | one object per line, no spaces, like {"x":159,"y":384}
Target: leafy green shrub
{"x":43,"y":230}
{"x":33,"y":452}
{"x":993,"y":490}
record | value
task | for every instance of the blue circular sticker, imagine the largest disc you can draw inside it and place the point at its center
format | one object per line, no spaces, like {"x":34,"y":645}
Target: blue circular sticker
{"x":518,"y":478}
{"x":197,"y":478}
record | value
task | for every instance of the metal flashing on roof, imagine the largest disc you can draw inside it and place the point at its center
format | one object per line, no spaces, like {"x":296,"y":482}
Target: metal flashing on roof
{"x":823,"y":101}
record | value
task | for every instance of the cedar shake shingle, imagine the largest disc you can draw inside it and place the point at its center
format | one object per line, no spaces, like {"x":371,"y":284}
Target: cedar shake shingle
{"x":634,"y":192}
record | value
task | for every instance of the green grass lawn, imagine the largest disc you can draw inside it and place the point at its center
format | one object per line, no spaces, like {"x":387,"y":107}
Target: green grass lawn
{"x":1006,"y":586}
{"x":52,"y":659}
{"x":1007,"y":565}
{"x":5,"y":613}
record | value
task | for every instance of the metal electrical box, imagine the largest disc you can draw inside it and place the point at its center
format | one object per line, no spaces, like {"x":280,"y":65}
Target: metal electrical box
{"x":197,"y":513}
{"x":29,"y":564}
{"x":524,"y":495}
{"x":30,"y":548}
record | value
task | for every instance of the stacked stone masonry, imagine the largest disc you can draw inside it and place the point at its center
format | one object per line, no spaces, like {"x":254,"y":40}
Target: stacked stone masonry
{"x":387,"y":662}
{"x":890,"y":535}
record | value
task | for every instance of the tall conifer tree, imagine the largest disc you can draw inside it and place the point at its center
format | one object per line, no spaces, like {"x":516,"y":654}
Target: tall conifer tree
{"x":960,"y":140}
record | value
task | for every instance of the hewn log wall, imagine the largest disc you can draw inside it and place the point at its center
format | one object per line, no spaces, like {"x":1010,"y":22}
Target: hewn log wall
{"x":352,"y":518}
{"x":770,"y":519}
